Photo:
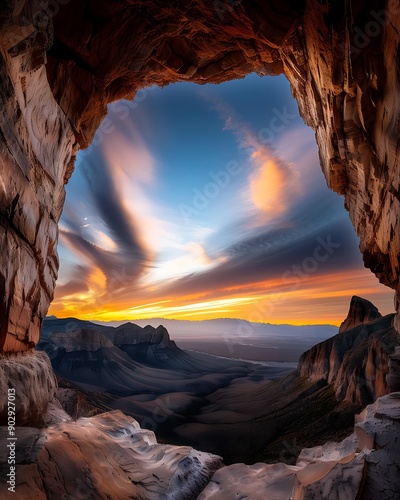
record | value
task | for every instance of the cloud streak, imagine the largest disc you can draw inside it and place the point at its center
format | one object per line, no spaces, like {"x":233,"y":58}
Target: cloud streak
{"x":129,"y":254}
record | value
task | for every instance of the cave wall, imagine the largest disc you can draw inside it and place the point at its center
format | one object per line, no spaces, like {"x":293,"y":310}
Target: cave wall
{"x":343,"y":66}
{"x":62,"y":61}
{"x":36,"y":145}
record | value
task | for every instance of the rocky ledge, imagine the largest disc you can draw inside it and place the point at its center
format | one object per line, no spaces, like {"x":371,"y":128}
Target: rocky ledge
{"x":102,"y":457}
{"x":109,"y":456}
{"x":364,"y":465}
{"x":31,"y":376}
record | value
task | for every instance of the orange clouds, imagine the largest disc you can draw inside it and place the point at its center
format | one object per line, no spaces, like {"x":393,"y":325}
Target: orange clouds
{"x":267,"y":187}
{"x":317,"y":299}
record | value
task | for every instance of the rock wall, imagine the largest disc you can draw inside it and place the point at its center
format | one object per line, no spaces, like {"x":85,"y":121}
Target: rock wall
{"x":62,"y":61}
{"x":364,"y":465}
{"x":343,"y":71}
{"x":36,"y":151}
{"x":356,"y":362}
{"x":33,"y":384}
{"x":102,"y":457}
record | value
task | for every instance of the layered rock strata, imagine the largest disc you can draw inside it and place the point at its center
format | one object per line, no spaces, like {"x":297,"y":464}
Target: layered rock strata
{"x":32,"y":382}
{"x":358,"y":360}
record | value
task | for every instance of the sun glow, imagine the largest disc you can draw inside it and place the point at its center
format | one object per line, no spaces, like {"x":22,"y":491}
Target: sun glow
{"x":321,"y":299}
{"x":127,"y":252}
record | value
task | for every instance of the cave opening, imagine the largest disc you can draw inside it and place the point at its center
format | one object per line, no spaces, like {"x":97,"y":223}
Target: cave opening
{"x":204,"y":202}
{"x":61,"y":64}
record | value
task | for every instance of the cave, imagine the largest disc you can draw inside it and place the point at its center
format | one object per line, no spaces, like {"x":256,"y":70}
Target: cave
{"x":59,"y":72}
{"x":63,"y":61}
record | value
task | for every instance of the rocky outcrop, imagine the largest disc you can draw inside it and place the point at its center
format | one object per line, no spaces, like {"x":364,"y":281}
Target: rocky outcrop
{"x":130,"y":334}
{"x":393,"y":377}
{"x":355,"y":362}
{"x":81,"y":339}
{"x":361,"y":311}
{"x":364,"y":465}
{"x":32,"y":382}
{"x":106,"y":456}
{"x":59,"y":68}
{"x":109,"y":456}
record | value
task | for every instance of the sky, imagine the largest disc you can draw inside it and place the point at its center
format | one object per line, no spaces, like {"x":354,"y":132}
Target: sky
{"x":199,"y":202}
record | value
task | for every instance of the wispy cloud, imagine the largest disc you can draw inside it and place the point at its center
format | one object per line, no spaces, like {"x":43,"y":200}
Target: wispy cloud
{"x":273,"y":184}
{"x":126,"y":245}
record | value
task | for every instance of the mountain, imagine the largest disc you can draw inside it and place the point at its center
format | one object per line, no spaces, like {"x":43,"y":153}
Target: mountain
{"x":356,"y":360}
{"x":361,"y":311}
{"x":143,"y":373}
{"x":240,"y":410}
{"x":235,"y":338}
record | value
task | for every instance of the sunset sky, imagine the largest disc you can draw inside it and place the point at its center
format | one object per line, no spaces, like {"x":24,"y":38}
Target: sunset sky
{"x":198,"y":202}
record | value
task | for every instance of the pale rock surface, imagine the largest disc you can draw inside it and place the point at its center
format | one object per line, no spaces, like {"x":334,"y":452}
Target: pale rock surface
{"x":32,"y":377}
{"x":364,"y":465}
{"x":256,"y":482}
{"x":109,"y":456}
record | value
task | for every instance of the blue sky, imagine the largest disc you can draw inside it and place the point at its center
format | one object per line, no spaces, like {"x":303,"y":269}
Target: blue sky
{"x":207,"y":201}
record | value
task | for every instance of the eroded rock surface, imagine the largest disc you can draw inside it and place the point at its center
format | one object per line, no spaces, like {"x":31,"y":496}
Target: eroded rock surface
{"x":356,"y":361}
{"x":361,"y":311}
{"x":59,"y":68}
{"x":33,"y":382}
{"x":364,"y":465}
{"x":107,"y":456}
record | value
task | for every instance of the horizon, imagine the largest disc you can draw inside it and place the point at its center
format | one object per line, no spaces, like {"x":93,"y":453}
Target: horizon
{"x":154,"y":319}
{"x":132,"y":321}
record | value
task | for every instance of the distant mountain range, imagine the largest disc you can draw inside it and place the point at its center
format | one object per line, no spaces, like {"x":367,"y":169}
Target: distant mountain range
{"x":238,"y":409}
{"x":212,"y":328}
{"x":232,"y":338}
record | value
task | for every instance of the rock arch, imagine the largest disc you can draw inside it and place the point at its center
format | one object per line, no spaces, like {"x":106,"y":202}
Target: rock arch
{"x":62,"y":61}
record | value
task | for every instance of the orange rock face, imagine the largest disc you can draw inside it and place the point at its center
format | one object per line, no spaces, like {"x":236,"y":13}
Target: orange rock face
{"x":62,"y":61}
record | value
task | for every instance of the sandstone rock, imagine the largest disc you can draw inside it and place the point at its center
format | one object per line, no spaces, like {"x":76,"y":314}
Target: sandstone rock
{"x":361,"y":311}
{"x":345,"y":470}
{"x":33,"y":379}
{"x":109,"y":456}
{"x":59,"y":68}
{"x":258,"y":482}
